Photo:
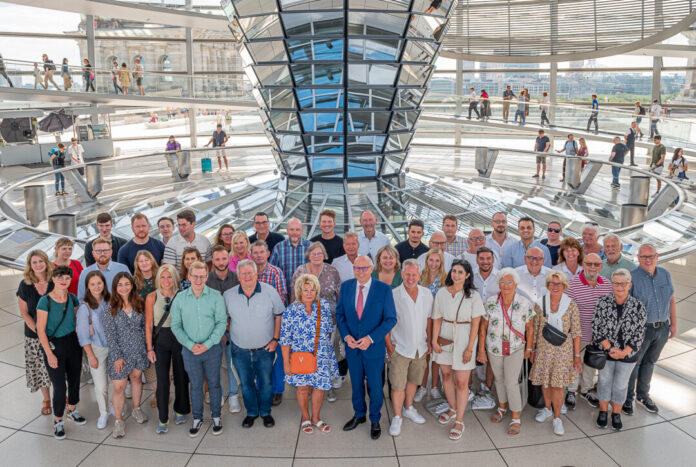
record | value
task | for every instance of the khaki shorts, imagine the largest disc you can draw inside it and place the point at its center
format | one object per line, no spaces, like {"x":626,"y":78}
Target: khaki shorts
{"x":541,"y":160}
{"x":403,"y":370}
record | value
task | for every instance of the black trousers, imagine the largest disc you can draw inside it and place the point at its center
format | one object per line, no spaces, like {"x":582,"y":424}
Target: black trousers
{"x":66,"y":376}
{"x":593,"y":118}
{"x":168,"y":352}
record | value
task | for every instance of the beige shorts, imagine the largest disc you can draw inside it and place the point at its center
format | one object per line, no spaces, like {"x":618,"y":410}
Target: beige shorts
{"x":403,"y":370}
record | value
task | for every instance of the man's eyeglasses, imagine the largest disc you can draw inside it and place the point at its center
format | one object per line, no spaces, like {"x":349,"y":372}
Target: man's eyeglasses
{"x":535,"y":258}
{"x":361,"y":268}
{"x":620,"y":285}
{"x":197,"y":277}
{"x":554,"y":230}
{"x":103,"y":252}
{"x":477,"y":239}
{"x":647,"y":257}
{"x":595,"y":265}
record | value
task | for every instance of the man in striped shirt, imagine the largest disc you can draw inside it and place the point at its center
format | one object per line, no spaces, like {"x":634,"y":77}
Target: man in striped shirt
{"x":585,"y":289}
{"x":268,"y":274}
{"x":187,"y":236}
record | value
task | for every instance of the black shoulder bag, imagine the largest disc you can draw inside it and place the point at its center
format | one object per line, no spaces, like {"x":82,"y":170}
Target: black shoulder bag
{"x":167,"y":309}
{"x":595,"y":355}
{"x":65,"y":313}
{"x":552,"y":335}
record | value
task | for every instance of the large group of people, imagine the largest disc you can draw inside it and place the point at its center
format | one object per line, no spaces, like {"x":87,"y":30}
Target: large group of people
{"x":457,"y":321}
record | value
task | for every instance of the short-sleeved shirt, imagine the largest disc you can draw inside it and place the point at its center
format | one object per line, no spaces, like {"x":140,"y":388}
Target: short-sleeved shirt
{"x":488,"y":287}
{"x":219,"y":138}
{"x":513,"y":256}
{"x":571,"y":147}
{"x":457,"y":247}
{"x":654,"y":291}
{"x":30,"y":295}
{"x":273,"y":276}
{"x":54,"y":326}
{"x":619,"y":150}
{"x":371,"y":246}
{"x":520,"y":312}
{"x":333,"y":246}
{"x":541,"y":143}
{"x":533,"y":287}
{"x":586,"y":296}
{"x":174,"y":249}
{"x":344,"y":267}
{"x":608,"y":269}
{"x":127,"y":253}
{"x":272,"y":240}
{"x":553,"y":250}
{"x":77,"y":269}
{"x":631,"y":138}
{"x":77,"y":152}
{"x":409,"y":335}
{"x":252,"y":319}
{"x":406,"y":251}
{"x":222,"y":285}
{"x":657,"y":152}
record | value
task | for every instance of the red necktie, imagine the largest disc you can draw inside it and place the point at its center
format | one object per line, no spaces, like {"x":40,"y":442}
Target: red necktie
{"x":361,"y":305}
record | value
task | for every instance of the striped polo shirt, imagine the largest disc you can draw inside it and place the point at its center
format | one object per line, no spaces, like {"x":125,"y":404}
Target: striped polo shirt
{"x":586,"y":297}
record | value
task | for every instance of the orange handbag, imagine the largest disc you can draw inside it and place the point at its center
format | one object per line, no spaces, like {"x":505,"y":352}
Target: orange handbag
{"x":304,"y":363}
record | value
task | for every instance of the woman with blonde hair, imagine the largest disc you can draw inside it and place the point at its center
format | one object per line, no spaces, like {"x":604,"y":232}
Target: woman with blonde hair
{"x":387,"y":266}
{"x":306,"y":327}
{"x":35,"y":284}
{"x":582,"y":150}
{"x":63,"y":252}
{"x":433,"y":277}
{"x":240,"y":249}
{"x":224,"y":236}
{"x":164,"y":350}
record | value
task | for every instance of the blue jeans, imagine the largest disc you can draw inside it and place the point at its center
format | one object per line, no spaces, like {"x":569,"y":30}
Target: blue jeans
{"x":522,"y":116}
{"x":254,"y":365}
{"x":117,"y":88}
{"x":653,"y":127}
{"x":278,"y":373}
{"x":232,"y":385}
{"x":655,"y":340}
{"x":60,"y":180}
{"x":615,"y":175}
{"x":205,"y":365}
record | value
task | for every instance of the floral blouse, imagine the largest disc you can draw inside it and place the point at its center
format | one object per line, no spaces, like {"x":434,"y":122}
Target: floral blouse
{"x":329,"y":282}
{"x":632,"y":331}
{"x":435,"y":286}
{"x":520,"y":312}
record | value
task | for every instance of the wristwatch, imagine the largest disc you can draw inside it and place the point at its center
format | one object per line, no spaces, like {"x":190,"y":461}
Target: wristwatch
{"x":274,"y":339}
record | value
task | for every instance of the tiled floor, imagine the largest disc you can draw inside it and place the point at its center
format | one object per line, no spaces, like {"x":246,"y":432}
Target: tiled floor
{"x":668,"y":438}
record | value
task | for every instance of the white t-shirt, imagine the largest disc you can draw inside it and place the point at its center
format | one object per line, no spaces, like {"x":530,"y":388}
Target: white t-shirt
{"x":77,"y":152}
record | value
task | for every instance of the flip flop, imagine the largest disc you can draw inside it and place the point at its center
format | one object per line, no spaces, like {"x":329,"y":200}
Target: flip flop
{"x":306,"y":427}
{"x":323,"y":426}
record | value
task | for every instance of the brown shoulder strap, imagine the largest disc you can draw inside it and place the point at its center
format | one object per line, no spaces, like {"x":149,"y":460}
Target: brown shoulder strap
{"x":316,"y":338}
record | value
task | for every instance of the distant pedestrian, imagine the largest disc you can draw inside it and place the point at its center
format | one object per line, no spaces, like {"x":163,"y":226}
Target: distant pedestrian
{"x":630,"y":140}
{"x":473,"y":104}
{"x":3,"y":72}
{"x":65,"y":74}
{"x":49,"y":69}
{"x":618,"y":152}
{"x":571,"y":149}
{"x":593,"y":114}
{"x":657,"y":161}
{"x":542,"y":144}
{"x":639,"y":112}
{"x":88,"y":75}
{"x":655,"y":113}
{"x":508,"y":94}
{"x":485,"y":105}
{"x":544,"y":107}
{"x":172,"y":144}
{"x":521,"y":107}
{"x":219,"y":139}
{"x":124,"y":76}
{"x":138,"y":75}
{"x":57,"y":161}
{"x":77,"y":154}
{"x":115,"y":77}
{"x":38,"y":77}
{"x":678,"y":165}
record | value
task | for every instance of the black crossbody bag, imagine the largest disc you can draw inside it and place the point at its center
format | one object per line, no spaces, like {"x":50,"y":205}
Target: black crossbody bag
{"x":65,"y":313}
{"x":552,"y":335}
{"x":167,"y":309}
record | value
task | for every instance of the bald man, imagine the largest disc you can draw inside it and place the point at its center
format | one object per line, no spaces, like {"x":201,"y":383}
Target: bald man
{"x":533,"y":275}
{"x":438,"y":240}
{"x":287,"y":255}
{"x":370,"y":239}
{"x":476,"y":240}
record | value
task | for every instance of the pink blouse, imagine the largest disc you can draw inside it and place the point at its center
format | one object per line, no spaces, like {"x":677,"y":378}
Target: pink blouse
{"x":234,"y":261}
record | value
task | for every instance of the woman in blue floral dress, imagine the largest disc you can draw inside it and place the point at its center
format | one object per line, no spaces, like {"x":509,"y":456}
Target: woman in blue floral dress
{"x":297,"y":334}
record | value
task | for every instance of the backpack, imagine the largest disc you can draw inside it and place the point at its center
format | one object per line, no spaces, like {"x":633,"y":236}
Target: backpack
{"x":641,"y":110}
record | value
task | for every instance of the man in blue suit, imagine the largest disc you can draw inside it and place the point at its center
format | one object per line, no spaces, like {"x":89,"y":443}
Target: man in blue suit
{"x":365,"y":314}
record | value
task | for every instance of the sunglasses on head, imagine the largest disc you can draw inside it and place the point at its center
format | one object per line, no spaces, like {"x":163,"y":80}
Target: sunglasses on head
{"x":550,"y":229}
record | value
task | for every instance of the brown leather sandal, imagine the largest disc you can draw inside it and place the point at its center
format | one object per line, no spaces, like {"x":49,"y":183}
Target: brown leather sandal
{"x":46,"y":409}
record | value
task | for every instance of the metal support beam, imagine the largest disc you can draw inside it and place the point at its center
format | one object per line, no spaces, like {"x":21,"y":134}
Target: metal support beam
{"x":553,"y":91}
{"x":662,"y":201}
{"x":656,"y":77}
{"x":78,"y":185}
{"x":459,"y":92}
{"x":91,"y":52}
{"x":588,"y":175}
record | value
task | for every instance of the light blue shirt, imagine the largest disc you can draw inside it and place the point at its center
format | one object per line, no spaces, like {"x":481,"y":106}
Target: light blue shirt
{"x":571,"y":148}
{"x":110,"y":272}
{"x":513,"y":256}
{"x":654,"y":291}
{"x":84,"y":313}
{"x":370,"y":246}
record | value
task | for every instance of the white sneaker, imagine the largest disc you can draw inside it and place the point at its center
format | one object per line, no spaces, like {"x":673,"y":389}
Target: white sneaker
{"x":395,"y":427}
{"x":482,"y":402}
{"x":435,"y":393}
{"x":543,"y":415}
{"x":412,"y":414}
{"x":564,"y":409}
{"x":558,"y":427}
{"x":233,"y":402}
{"x":472,"y":394}
{"x":102,"y":421}
{"x":420,"y":394}
{"x":338,"y":382}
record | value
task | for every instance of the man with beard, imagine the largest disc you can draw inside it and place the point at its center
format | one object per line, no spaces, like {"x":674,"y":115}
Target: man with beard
{"x":141,"y":241}
{"x":514,"y":254}
{"x":104,"y":264}
{"x":499,"y":239}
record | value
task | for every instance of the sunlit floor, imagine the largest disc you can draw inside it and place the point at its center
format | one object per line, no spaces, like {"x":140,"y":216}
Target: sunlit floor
{"x":668,"y":438}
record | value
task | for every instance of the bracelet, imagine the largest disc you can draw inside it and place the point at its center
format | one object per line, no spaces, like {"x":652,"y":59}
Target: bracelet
{"x":151,"y":350}
{"x":577,"y":355}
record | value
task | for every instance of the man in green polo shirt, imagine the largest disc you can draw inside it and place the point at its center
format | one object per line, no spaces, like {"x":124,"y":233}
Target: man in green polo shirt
{"x":198,"y":321}
{"x":657,"y":162}
{"x":615,"y":260}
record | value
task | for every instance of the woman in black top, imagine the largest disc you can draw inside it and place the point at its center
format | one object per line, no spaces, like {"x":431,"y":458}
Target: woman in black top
{"x":618,"y":326}
{"x":36,"y":283}
{"x":88,"y":75}
{"x":55,"y":325}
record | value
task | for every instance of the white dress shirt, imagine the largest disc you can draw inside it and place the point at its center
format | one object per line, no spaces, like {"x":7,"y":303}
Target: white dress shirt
{"x":533,"y":287}
{"x":497,"y":247}
{"x":448,"y":261}
{"x":344,"y":267}
{"x":409,"y":336}
{"x":486,"y":288}
{"x":370,"y":246}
